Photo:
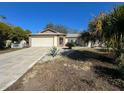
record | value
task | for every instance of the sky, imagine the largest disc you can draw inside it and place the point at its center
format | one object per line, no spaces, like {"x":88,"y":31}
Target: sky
{"x":35,"y":16}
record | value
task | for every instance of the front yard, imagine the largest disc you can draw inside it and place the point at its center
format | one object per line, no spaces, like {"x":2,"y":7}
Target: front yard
{"x":84,"y":69}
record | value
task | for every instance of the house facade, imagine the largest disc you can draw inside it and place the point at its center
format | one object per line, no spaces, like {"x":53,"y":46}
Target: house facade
{"x":50,"y":37}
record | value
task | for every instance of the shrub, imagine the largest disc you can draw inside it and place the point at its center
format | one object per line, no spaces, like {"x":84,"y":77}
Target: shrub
{"x":2,"y":44}
{"x":54,"y":51}
{"x":70,"y":45}
{"x":121,"y":70}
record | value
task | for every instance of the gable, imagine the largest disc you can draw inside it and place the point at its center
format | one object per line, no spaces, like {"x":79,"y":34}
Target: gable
{"x":48,"y":30}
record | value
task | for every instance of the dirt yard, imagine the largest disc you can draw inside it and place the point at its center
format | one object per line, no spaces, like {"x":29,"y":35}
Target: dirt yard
{"x":80,"y":70}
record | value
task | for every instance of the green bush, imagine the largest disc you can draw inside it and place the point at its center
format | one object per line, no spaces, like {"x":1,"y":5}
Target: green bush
{"x":54,"y":51}
{"x":121,"y":70}
{"x":70,"y":45}
{"x":2,"y":44}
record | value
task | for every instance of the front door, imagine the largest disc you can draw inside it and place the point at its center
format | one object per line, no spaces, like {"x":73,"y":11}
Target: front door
{"x":61,"y":41}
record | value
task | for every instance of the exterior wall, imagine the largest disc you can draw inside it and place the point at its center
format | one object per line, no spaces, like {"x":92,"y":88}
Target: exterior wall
{"x":66,"y":40}
{"x":55,"y":41}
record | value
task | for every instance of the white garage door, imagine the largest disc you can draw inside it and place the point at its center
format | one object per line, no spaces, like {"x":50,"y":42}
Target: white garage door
{"x":42,"y":41}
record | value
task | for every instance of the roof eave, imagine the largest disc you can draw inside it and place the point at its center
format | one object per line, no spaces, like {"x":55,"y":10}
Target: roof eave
{"x":47,"y":34}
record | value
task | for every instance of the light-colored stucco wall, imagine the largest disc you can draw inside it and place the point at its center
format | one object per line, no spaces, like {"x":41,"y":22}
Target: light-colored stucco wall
{"x":66,"y":40}
{"x":55,"y":40}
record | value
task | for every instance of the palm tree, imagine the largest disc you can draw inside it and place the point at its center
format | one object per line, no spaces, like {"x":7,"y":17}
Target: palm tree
{"x":112,"y":30}
{"x":95,"y":28}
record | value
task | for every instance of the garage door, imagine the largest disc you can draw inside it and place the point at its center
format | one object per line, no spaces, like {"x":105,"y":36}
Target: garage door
{"x":42,"y":41}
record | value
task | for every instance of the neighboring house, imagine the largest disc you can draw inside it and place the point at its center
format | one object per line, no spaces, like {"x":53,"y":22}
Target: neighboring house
{"x":21,"y":44}
{"x":50,"y":37}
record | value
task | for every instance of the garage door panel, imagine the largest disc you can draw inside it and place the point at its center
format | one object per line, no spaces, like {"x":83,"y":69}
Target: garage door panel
{"x":42,"y":41}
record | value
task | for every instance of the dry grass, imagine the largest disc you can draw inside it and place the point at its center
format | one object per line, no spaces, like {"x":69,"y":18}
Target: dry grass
{"x":80,"y":70}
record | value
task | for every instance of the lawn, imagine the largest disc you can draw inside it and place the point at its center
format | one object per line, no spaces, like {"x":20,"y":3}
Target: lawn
{"x":86,"y":69}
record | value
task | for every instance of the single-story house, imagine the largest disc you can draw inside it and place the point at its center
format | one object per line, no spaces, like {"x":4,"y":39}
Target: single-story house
{"x":50,"y":37}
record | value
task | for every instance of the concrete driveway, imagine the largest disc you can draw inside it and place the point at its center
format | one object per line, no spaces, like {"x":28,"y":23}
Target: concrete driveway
{"x":14,"y":64}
